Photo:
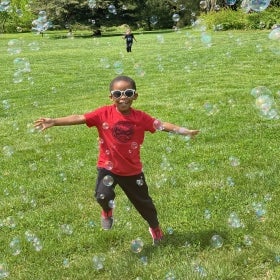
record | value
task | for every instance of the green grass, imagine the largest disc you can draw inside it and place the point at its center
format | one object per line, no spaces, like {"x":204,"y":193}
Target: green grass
{"x":49,"y":179}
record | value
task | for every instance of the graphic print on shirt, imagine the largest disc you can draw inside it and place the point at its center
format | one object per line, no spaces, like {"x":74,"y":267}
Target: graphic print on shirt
{"x":123,"y":131}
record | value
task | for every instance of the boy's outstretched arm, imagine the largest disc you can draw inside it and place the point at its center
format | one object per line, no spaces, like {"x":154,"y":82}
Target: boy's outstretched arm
{"x":169,"y":127}
{"x":44,"y":123}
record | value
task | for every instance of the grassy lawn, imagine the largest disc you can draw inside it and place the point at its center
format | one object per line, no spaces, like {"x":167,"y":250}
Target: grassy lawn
{"x":49,"y":221}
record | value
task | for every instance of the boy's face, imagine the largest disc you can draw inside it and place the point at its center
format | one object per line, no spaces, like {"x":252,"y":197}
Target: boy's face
{"x":123,"y":103}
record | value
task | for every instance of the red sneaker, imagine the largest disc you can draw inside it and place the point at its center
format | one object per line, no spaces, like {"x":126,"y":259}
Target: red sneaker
{"x":157,"y":235}
{"x":107,"y":219}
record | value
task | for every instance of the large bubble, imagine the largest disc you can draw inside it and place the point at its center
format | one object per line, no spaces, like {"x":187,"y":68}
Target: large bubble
{"x":274,"y":37}
{"x":258,"y":5}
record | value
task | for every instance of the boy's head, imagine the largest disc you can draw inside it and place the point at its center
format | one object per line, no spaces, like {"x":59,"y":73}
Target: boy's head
{"x":123,"y":93}
{"x":126,"y":79}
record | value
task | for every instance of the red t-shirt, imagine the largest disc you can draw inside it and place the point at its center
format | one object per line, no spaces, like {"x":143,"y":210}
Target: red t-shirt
{"x":120,"y":138}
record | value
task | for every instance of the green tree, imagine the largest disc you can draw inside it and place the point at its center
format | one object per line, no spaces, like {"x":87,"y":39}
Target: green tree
{"x":15,"y":16}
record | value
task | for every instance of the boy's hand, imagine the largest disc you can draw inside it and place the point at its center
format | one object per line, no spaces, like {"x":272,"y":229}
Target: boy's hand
{"x":43,"y":123}
{"x":193,"y":133}
{"x":188,"y":132}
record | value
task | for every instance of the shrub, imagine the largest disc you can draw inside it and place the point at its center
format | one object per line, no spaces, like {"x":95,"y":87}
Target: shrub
{"x":227,"y":19}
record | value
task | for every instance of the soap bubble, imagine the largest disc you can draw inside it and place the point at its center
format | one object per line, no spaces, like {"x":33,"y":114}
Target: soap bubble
{"x":207,"y":214}
{"x":19,"y":12}
{"x":144,"y":260}
{"x":17,"y":77}
{"x":34,"y":46}
{"x":112,"y":204}
{"x":200,"y":270}
{"x":175,"y":17}
{"x":158,"y":125}
{"x":216,"y":241}
{"x":137,"y":245}
{"x":91,"y":4}
{"x":170,"y":276}
{"x":274,"y":34}
{"x":112,"y":9}
{"x":153,"y":20}
{"x":199,"y":25}
{"x":234,"y":161}
{"x":211,"y":109}
{"x":118,"y":67}
{"x":274,"y":37}
{"x":234,"y":221}
{"x":195,"y":167}
{"x":15,"y":246}
{"x":108,"y":165}
{"x":230,"y":181}
{"x":6,"y":104}
{"x":3,"y":270}
{"x":230,"y":2}
{"x":264,"y":103}
{"x":245,"y":6}
{"x":105,"y":125}
{"x":160,"y":39}
{"x":108,"y":181}
{"x":260,"y":90}
{"x":170,"y":230}
{"x":248,"y":240}
{"x":8,"y":151}
{"x":14,"y":46}
{"x":22,"y":64}
{"x":203,"y":4}
{"x":140,"y":182}
{"x":259,"y":210}
{"x":66,"y":263}
{"x":98,"y":262}
{"x":66,"y":229}
{"x":258,"y":5}
{"x":206,"y":38}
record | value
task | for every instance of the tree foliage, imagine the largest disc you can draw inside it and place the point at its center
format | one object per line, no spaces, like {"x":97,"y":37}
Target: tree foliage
{"x":145,"y":14}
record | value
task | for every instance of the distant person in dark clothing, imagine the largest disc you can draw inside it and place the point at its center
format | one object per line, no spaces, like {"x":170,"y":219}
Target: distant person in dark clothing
{"x":129,"y":37}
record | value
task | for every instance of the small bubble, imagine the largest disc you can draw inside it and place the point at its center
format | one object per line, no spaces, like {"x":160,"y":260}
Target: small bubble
{"x":140,"y":182}
{"x":98,"y":262}
{"x":112,"y":204}
{"x":144,"y":260}
{"x":234,"y":161}
{"x":207,"y":214}
{"x":248,"y":241}
{"x":8,"y":151}
{"x":66,"y":263}
{"x":170,"y":275}
{"x":108,"y":181}
{"x":66,"y":229}
{"x":216,"y":241}
{"x":105,"y":125}
{"x":170,"y":230}
{"x":136,"y":245}
{"x":134,"y":145}
{"x":4,"y":273}
{"x":15,"y":247}
{"x":175,"y":17}
{"x":108,"y":165}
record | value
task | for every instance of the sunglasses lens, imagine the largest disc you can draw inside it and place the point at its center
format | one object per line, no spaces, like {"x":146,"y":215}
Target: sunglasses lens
{"x":129,"y":92}
{"x":117,"y":93}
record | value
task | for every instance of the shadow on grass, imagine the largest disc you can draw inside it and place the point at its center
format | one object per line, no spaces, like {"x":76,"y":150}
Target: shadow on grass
{"x":200,"y":240}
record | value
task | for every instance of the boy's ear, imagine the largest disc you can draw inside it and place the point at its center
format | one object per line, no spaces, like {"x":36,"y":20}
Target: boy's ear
{"x":135,"y":96}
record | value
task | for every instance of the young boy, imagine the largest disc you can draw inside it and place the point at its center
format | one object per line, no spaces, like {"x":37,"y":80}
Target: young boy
{"x":121,"y":132}
{"x":129,"y":37}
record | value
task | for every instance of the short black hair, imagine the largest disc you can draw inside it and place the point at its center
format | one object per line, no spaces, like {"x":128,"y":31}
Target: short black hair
{"x":123,"y":78}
